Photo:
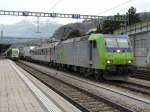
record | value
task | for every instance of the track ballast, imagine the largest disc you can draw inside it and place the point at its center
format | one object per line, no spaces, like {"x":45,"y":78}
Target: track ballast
{"x":81,"y":99}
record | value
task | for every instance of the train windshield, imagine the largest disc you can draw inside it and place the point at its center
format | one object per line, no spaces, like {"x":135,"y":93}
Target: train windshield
{"x":123,"y":43}
{"x":15,"y":51}
{"x":117,"y":42}
{"x":111,"y":42}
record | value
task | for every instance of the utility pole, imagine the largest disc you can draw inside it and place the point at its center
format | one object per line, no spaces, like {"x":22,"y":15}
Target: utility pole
{"x":38,"y":25}
{"x":38,"y":28}
{"x":2,"y":34}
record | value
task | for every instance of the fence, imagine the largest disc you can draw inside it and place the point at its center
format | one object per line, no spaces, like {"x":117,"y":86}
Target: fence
{"x":135,"y":28}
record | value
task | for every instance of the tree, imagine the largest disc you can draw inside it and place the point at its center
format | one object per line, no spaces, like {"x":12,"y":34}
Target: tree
{"x":99,"y":29}
{"x":133,"y":17}
{"x":74,"y":33}
{"x":109,"y":26}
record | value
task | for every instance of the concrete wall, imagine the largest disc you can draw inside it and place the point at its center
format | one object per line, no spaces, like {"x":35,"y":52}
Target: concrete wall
{"x":141,"y":46}
{"x":140,"y":38}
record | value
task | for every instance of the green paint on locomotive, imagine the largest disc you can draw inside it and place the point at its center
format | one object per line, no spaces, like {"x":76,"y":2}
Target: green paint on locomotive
{"x":101,"y":50}
{"x":121,"y":58}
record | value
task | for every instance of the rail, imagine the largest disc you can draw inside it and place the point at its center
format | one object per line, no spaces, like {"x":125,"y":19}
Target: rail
{"x":80,"y":98}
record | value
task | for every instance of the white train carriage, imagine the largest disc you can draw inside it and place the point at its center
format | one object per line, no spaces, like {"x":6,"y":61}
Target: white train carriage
{"x":44,"y":54}
{"x":40,"y":54}
{"x":25,"y":52}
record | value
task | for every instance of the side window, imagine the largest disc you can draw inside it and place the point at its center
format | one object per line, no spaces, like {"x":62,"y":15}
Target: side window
{"x":94,"y":44}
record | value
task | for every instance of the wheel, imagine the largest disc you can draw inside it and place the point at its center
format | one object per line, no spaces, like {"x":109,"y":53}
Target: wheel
{"x":96,"y":76}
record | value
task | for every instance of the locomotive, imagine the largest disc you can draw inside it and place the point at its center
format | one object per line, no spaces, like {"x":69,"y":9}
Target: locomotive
{"x":100,"y":55}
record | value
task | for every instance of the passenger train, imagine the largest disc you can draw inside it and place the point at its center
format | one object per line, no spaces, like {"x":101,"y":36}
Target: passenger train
{"x":99,"y":55}
{"x":13,"y":53}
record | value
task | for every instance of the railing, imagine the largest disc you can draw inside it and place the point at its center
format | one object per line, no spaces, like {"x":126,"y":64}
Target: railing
{"x":135,"y":28}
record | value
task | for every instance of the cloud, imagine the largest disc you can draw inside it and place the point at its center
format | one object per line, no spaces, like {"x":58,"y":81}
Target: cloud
{"x":69,"y":6}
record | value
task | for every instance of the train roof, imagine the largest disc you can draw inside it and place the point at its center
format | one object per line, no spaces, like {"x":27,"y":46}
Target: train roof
{"x":17,"y":49}
{"x":93,"y":36}
{"x":96,"y":36}
{"x":86,"y":37}
{"x":114,"y":36}
{"x":76,"y":39}
{"x":45,"y":46}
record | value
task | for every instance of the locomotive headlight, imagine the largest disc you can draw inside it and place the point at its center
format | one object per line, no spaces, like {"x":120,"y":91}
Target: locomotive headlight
{"x":108,"y":61}
{"x":118,"y":50}
{"x":129,"y":61}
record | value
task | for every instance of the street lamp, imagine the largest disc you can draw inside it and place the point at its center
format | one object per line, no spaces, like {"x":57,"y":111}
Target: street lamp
{"x":2,"y":32}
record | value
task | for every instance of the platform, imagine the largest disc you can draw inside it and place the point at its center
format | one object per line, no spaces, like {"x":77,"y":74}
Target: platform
{"x":21,"y":92}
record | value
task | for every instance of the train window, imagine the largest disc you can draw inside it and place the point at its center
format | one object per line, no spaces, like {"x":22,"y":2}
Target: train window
{"x":123,"y":43}
{"x":94,"y":44}
{"x":111,"y":43}
{"x":45,"y":51}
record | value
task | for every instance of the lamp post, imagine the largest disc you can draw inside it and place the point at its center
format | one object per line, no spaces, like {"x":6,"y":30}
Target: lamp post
{"x":2,"y":32}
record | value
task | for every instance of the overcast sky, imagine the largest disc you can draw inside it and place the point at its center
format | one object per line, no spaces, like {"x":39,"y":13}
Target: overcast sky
{"x":91,"y":7}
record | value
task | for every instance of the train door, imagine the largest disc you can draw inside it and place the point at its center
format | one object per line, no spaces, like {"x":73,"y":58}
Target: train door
{"x":93,"y":54}
{"x":148,"y":58}
{"x":90,"y":53}
{"x":50,"y":53}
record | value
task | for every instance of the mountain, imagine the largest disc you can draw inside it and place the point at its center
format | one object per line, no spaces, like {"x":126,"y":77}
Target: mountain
{"x":83,"y":27}
{"x":28,"y":29}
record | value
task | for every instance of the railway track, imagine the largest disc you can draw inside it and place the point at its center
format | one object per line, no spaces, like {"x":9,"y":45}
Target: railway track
{"x":141,"y":74}
{"x":135,"y":87}
{"x":145,"y":90}
{"x":84,"y":100}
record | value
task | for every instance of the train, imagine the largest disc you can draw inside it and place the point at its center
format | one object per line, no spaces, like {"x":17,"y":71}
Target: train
{"x":25,"y":53}
{"x":103,"y":56}
{"x":13,"y":53}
